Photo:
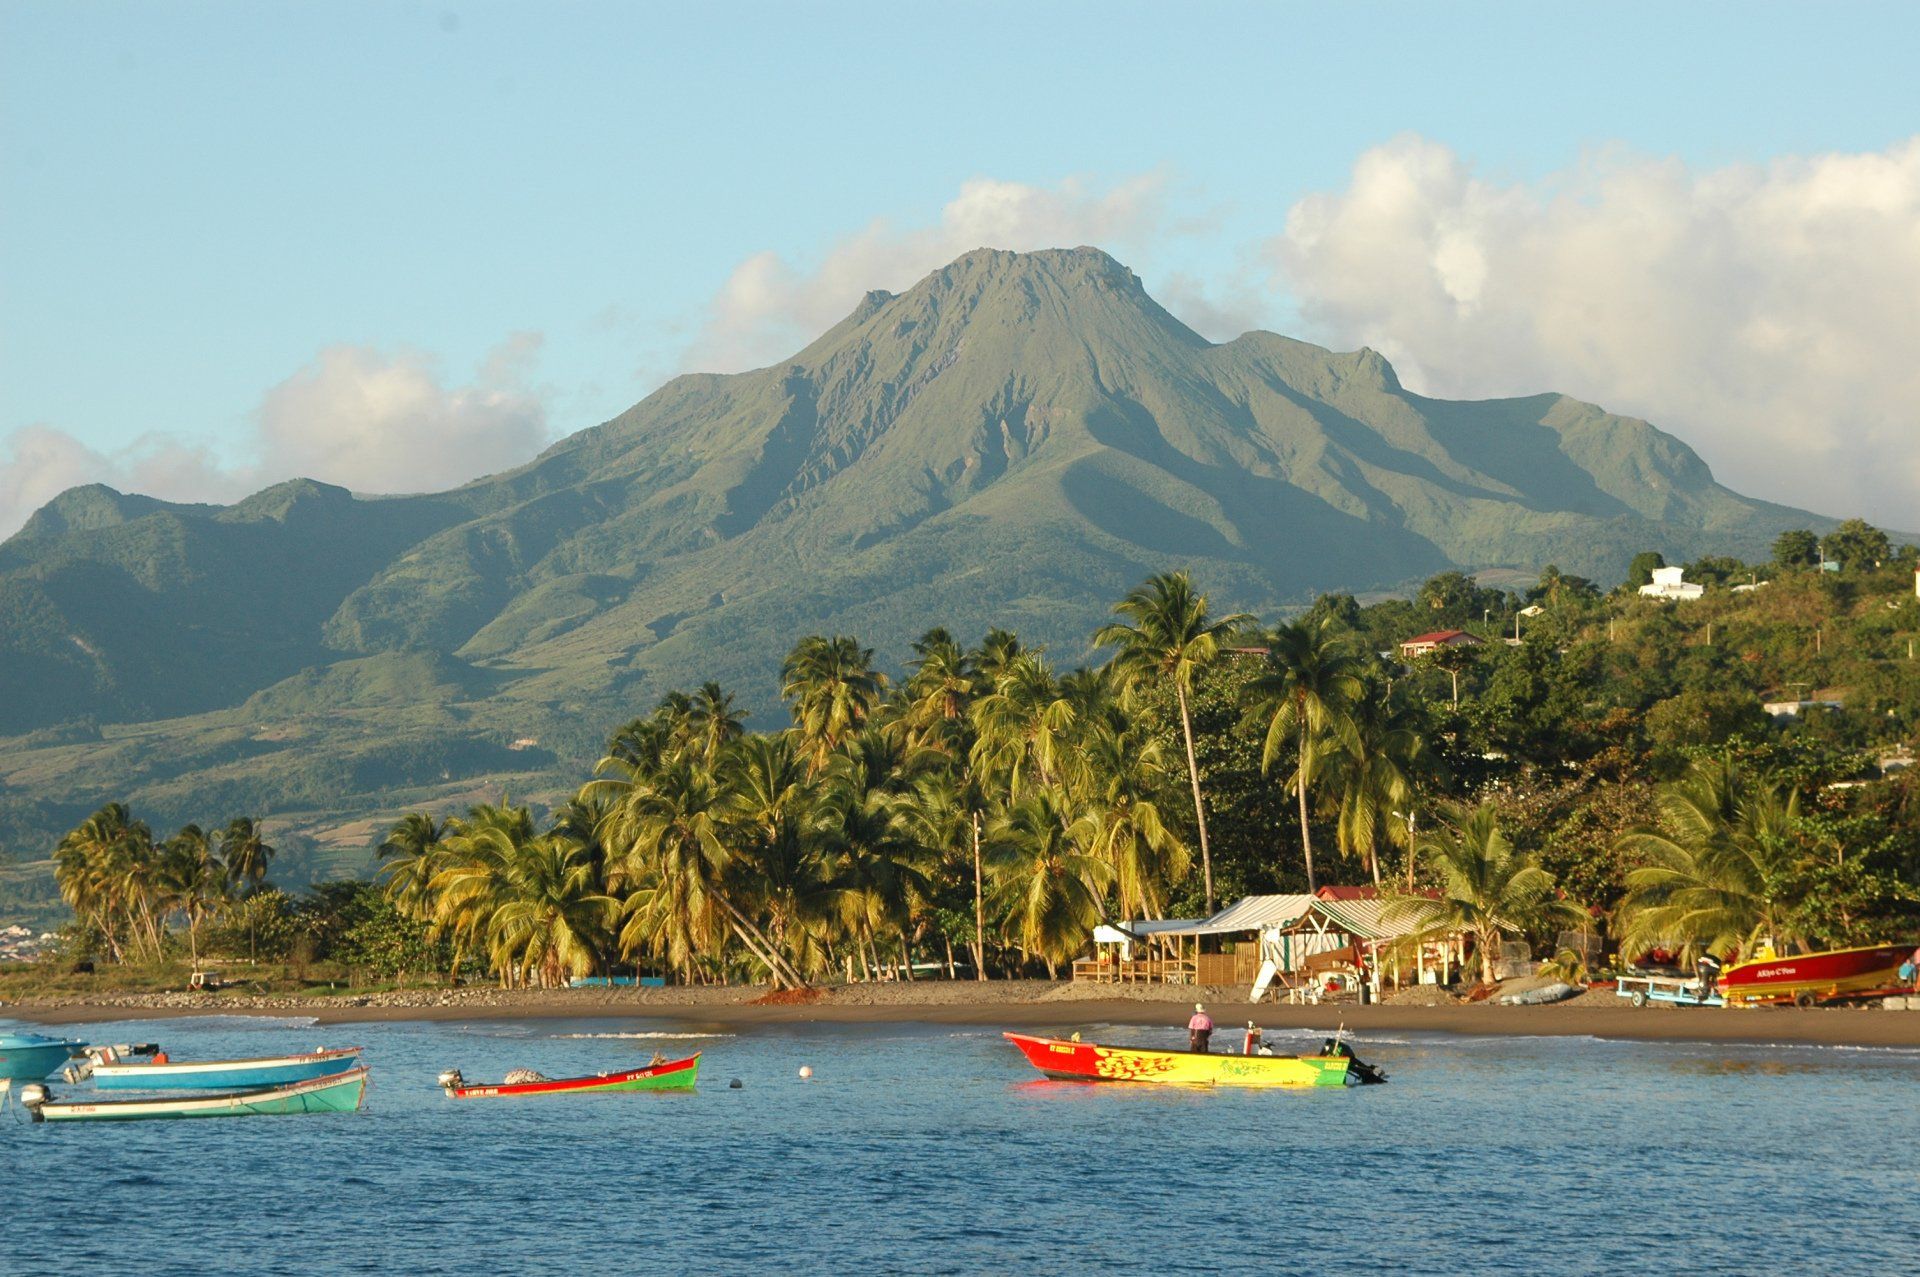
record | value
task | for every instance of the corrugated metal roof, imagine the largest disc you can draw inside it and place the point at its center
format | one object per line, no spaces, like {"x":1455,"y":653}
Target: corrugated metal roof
{"x":1250,"y":913}
{"x":1372,"y":919}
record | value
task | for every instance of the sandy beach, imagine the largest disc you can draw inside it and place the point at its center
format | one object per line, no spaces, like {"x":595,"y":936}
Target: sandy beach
{"x":1012,"y":1004}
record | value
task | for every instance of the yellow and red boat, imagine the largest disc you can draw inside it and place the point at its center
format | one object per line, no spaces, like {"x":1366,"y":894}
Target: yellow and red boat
{"x":1069,"y":1061}
{"x":1810,"y":978}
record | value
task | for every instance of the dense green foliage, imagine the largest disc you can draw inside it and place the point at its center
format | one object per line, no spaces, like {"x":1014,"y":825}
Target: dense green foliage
{"x":1612,"y":763}
{"x":1014,"y":441}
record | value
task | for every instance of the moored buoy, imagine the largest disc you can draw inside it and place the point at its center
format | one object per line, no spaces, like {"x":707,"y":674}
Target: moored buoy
{"x":806,"y":1071}
{"x":734,"y":1085}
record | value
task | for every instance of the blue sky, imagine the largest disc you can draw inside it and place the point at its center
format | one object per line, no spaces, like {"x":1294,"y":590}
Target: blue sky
{"x":198,"y":200}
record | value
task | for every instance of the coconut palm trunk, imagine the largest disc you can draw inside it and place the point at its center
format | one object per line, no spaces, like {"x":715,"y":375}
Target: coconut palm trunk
{"x":779,"y":969}
{"x":979,"y":908}
{"x":1199,"y":807}
{"x":1306,"y":832}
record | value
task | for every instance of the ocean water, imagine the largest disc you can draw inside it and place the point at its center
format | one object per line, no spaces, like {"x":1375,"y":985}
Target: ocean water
{"x":930,"y":1149}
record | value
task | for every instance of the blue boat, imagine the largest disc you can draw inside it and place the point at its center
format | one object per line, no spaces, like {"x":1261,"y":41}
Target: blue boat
{"x":29,"y":1057}
{"x":160,"y":1073}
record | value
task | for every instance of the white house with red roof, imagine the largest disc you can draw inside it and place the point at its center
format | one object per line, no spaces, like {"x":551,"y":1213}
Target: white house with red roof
{"x":1421,"y":644}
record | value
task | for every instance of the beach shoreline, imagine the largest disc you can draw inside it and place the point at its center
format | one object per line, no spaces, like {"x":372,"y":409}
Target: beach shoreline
{"x":1030,"y":1005}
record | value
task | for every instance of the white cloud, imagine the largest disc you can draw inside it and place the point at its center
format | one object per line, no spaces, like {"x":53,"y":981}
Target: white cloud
{"x":37,"y":463}
{"x":1766,"y":315}
{"x":384,"y":423}
{"x":769,"y":308}
{"x":355,"y":416}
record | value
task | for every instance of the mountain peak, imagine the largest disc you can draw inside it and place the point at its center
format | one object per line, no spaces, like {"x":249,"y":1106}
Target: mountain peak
{"x":1080,"y":267}
{"x":92,"y":506}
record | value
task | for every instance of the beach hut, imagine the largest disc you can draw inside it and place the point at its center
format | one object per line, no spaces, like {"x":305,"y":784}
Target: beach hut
{"x":1380,"y":936}
{"x":1271,"y":940}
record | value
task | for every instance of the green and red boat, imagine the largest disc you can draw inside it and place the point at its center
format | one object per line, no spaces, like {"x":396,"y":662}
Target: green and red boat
{"x":1071,"y":1061}
{"x":665,"y":1075}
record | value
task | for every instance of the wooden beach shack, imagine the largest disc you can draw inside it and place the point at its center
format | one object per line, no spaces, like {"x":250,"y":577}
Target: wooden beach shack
{"x":1273,"y":943}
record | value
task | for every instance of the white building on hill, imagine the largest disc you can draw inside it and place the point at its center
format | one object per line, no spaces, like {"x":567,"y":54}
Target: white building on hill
{"x":1667,"y":584}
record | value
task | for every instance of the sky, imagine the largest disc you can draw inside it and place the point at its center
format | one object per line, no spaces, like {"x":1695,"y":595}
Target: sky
{"x":396,"y":246}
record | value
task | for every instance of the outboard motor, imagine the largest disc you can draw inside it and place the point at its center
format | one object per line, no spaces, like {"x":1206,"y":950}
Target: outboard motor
{"x":32,"y":1096}
{"x":451,"y":1079}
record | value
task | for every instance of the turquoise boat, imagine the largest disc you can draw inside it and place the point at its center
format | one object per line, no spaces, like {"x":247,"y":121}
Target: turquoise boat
{"x":336,"y":1093}
{"x":29,"y":1057}
{"x":111,"y":1073}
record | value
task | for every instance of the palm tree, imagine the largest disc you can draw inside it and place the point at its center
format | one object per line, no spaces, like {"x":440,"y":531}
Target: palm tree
{"x":100,"y":867}
{"x":1304,"y":695}
{"x":1488,"y":887}
{"x":1372,"y":770}
{"x":779,"y":846}
{"x":1167,"y":637}
{"x":406,"y":855}
{"x":1047,"y":889}
{"x":551,"y":913}
{"x":472,"y":869}
{"x":713,"y":723}
{"x":940,"y":692}
{"x":641,"y":743}
{"x":996,"y":651}
{"x":1122,"y":825}
{"x":1721,"y":870}
{"x":1023,"y":726}
{"x":879,"y":871}
{"x":832,"y":688}
{"x":191,"y":879}
{"x":244,"y":849}
{"x":944,"y":811}
{"x":668,"y":843}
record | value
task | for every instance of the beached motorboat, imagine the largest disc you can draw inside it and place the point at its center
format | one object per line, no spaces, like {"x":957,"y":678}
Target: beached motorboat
{"x":110,"y":1071}
{"x":668,"y":1075}
{"x":1069,"y":1061}
{"x":1810,"y":978}
{"x":334,"y":1093}
{"x":29,"y":1057}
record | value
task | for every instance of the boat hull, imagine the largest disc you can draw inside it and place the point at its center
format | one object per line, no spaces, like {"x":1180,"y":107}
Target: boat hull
{"x":28,"y":1057}
{"x":223,"y":1075}
{"x":1835,"y":973}
{"x":336,"y":1093}
{"x":1094,"y":1062}
{"x":674,"y":1075}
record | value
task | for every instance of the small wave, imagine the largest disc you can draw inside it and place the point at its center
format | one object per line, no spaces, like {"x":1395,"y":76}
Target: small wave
{"x":644,"y":1037}
{"x":246,"y":1020}
{"x":1796,"y":1046}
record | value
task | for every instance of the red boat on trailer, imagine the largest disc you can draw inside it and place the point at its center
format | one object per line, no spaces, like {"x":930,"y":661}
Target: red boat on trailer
{"x":669,"y":1075}
{"x":1807,"y":979}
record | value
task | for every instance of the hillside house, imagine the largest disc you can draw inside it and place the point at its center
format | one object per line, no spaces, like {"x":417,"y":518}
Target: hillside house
{"x":1421,"y":644}
{"x":1667,"y":584}
{"x":1778,"y":710}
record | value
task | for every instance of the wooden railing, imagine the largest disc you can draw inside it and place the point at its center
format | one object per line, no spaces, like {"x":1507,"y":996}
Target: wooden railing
{"x":1136,"y":971}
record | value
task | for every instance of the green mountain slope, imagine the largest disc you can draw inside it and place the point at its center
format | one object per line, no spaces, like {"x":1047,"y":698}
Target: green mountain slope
{"x":1015,"y":440}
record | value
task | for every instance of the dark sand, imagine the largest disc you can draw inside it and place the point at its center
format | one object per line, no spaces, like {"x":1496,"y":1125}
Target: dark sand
{"x":1048,"y":1008}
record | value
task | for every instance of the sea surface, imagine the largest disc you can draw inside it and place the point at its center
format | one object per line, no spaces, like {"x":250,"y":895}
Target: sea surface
{"x":930,"y":1149}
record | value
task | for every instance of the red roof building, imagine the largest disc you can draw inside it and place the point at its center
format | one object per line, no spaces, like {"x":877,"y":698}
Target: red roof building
{"x":1421,"y":644}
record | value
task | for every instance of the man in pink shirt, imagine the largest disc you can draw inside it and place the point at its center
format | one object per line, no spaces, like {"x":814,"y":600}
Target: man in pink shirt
{"x":1199,"y":1028}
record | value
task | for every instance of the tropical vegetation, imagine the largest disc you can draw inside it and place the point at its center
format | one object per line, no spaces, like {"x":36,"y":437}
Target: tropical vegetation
{"x":1596,"y":761}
